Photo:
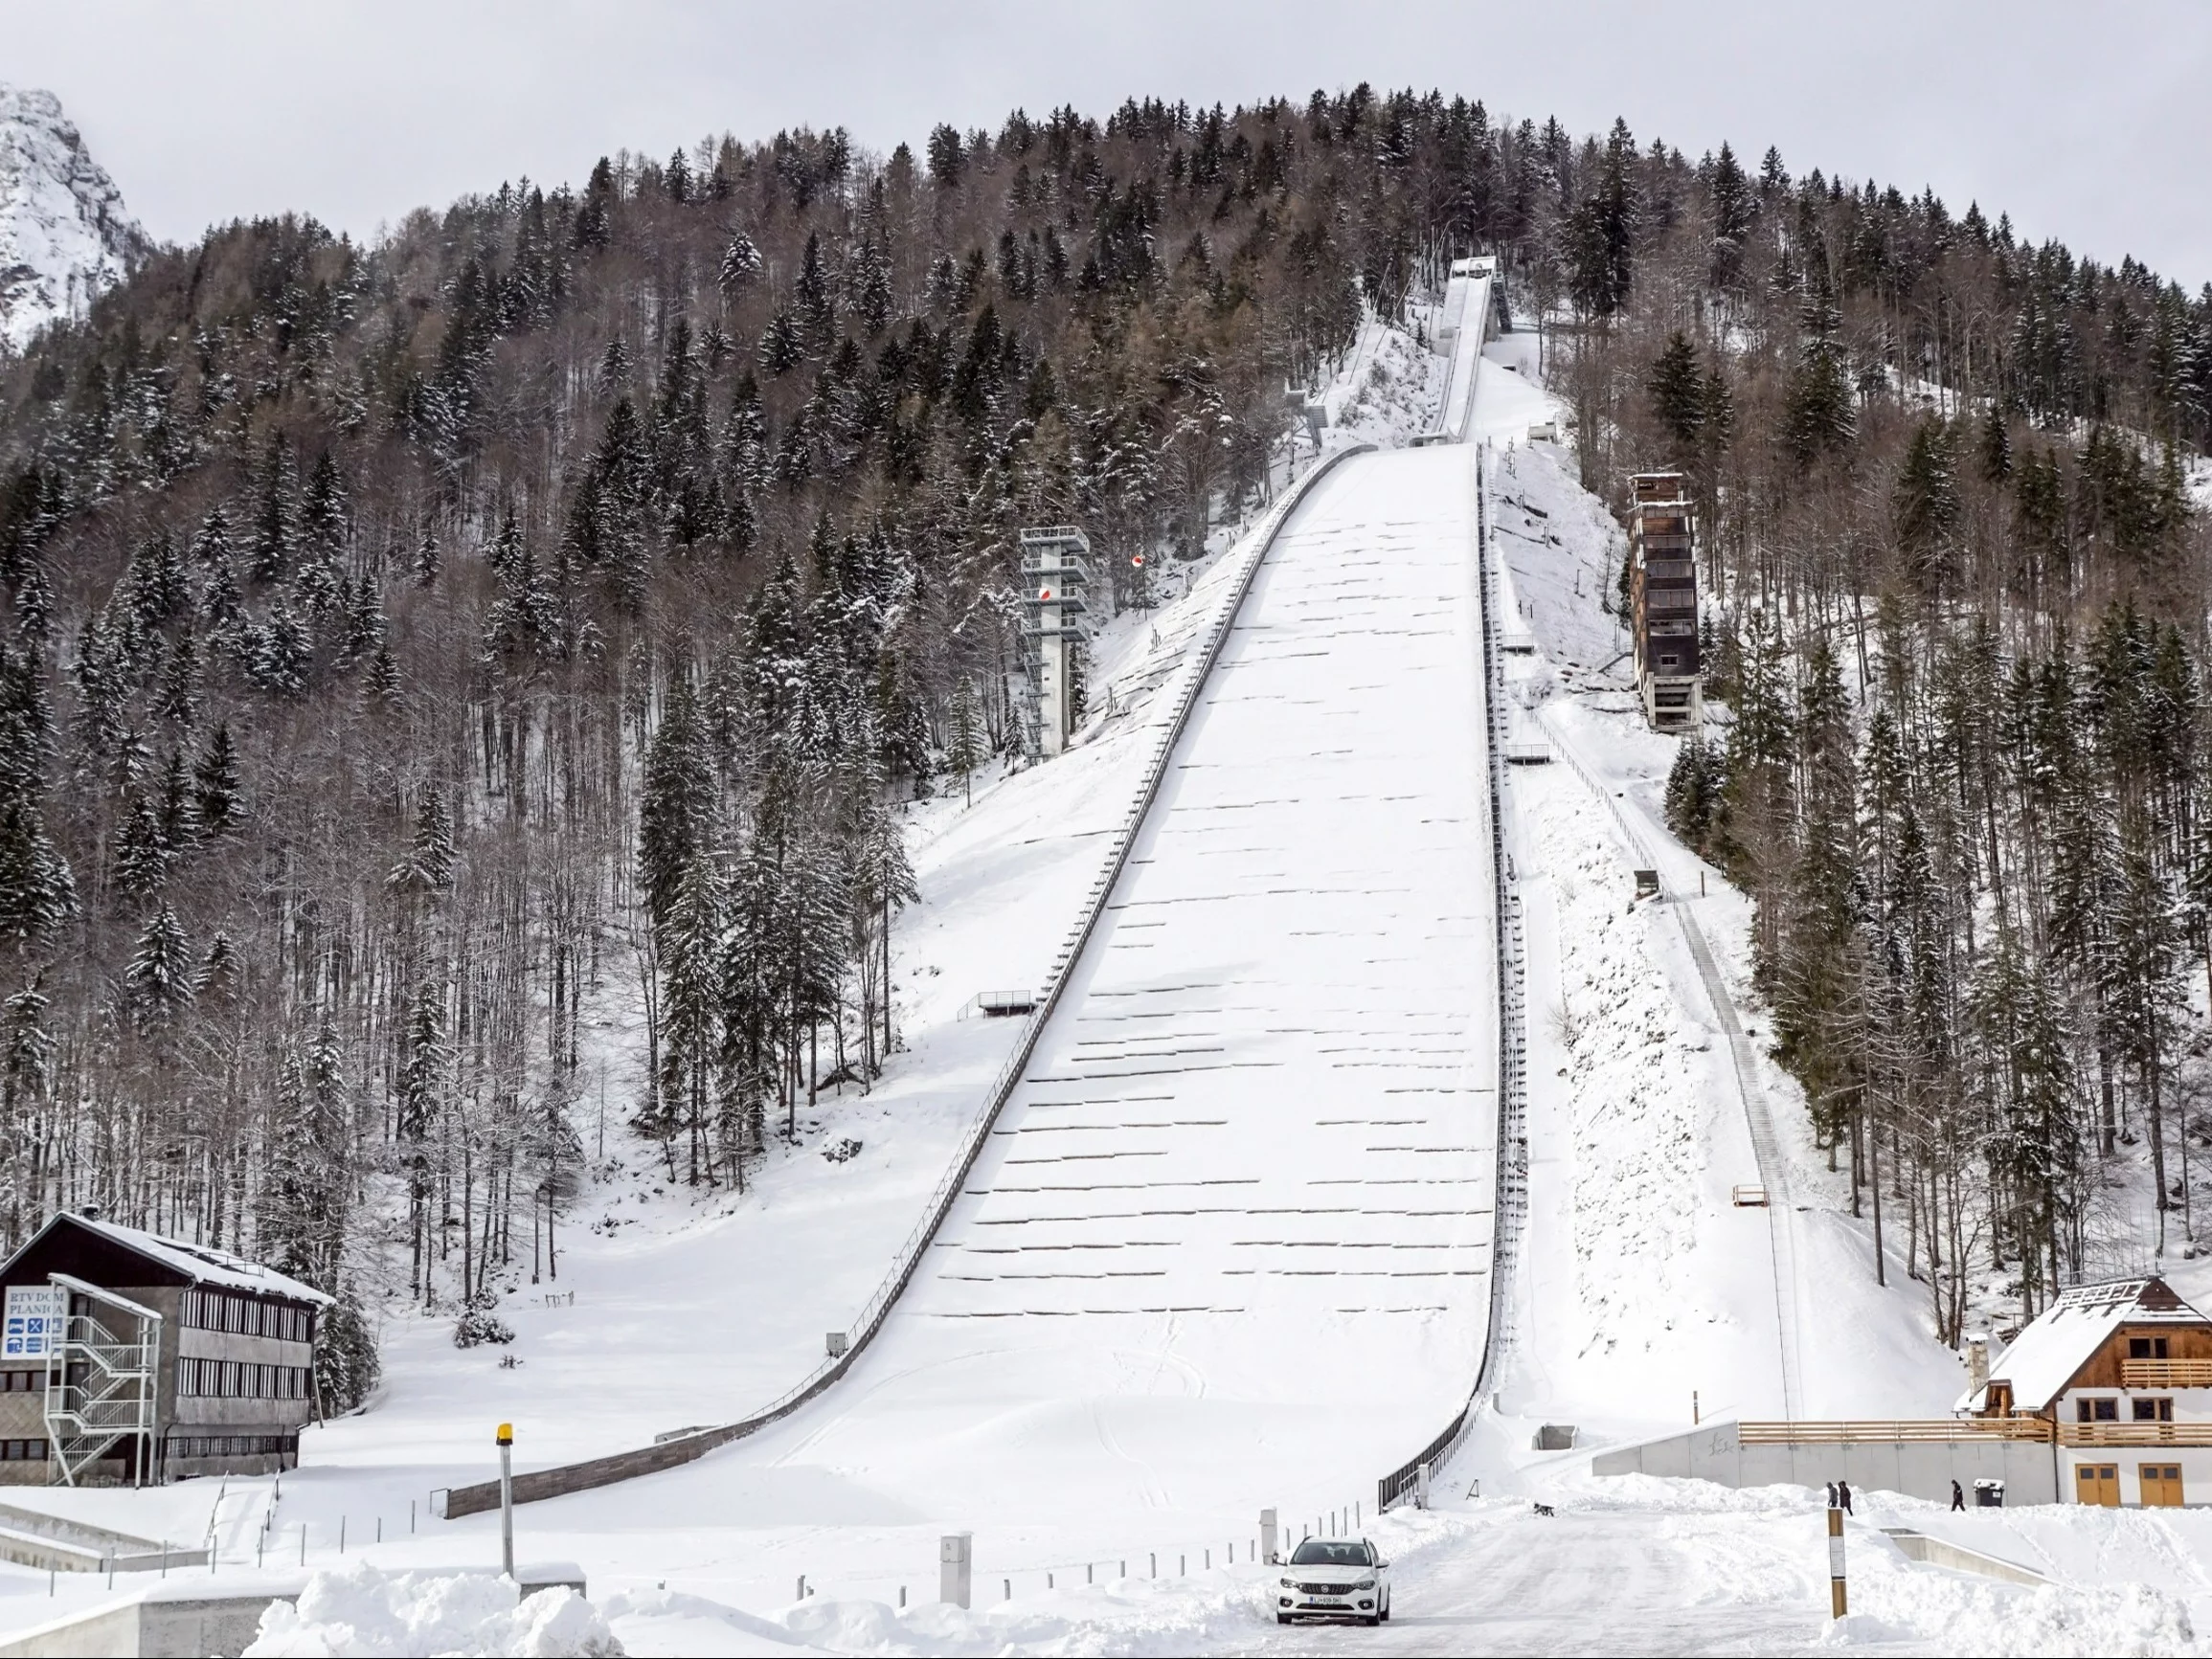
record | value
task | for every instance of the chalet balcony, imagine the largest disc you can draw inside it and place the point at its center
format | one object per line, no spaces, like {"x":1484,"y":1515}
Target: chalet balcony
{"x":2166,"y":1373}
{"x":1876,"y":1430}
{"x":2124,"y":1434}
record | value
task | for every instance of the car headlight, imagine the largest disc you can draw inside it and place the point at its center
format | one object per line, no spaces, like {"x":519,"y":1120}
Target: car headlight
{"x":1288,"y":1586}
{"x":1365,"y":1584}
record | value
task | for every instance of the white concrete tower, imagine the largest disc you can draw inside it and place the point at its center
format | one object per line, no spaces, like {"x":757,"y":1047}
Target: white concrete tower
{"x":1056,"y":573}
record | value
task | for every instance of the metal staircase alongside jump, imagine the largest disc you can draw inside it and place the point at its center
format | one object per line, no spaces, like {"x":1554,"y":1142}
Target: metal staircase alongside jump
{"x":100,"y":1386}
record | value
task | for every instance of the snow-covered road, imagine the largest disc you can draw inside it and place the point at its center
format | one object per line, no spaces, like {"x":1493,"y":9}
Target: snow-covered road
{"x":1588,"y":1581}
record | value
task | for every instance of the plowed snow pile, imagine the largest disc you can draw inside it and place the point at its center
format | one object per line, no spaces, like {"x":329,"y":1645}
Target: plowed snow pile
{"x":362,"y":1610}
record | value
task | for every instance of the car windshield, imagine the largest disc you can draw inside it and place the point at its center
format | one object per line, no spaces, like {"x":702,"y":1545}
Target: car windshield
{"x":1328,"y":1553}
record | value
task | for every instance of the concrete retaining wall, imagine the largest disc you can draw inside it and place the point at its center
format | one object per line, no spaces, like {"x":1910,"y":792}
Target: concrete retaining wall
{"x":1918,"y":1469}
{"x":148,"y":1628}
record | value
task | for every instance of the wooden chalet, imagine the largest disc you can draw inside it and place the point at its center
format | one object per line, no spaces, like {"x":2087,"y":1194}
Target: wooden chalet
{"x":2120,"y":1377}
{"x":126,"y":1357}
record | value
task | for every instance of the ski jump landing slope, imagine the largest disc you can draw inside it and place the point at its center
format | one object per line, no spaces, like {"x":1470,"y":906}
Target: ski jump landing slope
{"x":1230,"y":1237}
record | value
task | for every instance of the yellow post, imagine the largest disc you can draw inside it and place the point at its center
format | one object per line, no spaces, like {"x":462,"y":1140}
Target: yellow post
{"x":507,"y":1498}
{"x":1839,"y":1600}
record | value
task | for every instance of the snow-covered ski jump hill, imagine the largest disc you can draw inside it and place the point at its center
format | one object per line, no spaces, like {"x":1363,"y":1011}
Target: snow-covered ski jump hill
{"x":1229,"y":1242}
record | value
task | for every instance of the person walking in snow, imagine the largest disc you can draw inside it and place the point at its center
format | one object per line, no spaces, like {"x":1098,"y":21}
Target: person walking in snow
{"x":1832,"y":1504}
{"x":1958,"y":1497}
{"x":1843,"y":1496}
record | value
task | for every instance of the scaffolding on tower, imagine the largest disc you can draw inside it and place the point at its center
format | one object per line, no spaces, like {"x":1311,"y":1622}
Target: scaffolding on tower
{"x":1055,"y":629}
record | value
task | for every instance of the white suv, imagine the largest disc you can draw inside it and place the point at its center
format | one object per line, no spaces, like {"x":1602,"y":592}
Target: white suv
{"x":1335,"y":1579}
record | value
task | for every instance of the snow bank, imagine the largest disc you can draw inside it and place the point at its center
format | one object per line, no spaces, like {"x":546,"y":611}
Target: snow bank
{"x":1932,"y":1610}
{"x":363,"y":1610}
{"x":1206,"y":1612}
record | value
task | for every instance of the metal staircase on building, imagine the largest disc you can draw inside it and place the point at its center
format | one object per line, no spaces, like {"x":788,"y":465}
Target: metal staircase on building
{"x":100,"y":1386}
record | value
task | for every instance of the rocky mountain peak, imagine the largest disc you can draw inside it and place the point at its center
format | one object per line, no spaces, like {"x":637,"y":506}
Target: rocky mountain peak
{"x":64,"y":234}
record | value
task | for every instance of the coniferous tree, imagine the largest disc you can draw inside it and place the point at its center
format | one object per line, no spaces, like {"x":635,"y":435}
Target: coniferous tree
{"x":161,"y":980}
{"x":1678,"y":394}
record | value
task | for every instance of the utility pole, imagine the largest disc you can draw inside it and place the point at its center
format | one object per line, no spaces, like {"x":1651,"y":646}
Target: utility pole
{"x":507,"y":1500}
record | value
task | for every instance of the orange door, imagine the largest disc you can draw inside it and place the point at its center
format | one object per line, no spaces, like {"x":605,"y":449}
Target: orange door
{"x":2097,"y":1483}
{"x":2161,"y":1484}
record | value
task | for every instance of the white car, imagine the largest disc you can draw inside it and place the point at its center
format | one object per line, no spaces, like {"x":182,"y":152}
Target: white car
{"x":1335,"y":1579}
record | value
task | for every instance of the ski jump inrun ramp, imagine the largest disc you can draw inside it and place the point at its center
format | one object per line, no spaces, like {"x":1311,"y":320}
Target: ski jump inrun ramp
{"x":1234,"y":1221}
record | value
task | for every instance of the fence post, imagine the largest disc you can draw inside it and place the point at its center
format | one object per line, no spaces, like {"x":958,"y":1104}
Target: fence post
{"x":1839,"y":1598}
{"x":1421,"y":1488}
{"x":1267,"y":1544}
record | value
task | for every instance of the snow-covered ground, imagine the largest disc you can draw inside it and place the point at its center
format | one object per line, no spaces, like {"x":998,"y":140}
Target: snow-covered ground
{"x":1227,"y":1247}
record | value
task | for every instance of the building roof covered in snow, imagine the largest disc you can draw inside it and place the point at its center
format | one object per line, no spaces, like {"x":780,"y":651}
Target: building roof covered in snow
{"x":2065,"y":1337}
{"x":173,"y":1261}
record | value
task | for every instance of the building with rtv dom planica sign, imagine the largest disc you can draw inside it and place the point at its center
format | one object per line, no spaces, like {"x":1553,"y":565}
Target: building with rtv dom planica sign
{"x":129,"y":1358}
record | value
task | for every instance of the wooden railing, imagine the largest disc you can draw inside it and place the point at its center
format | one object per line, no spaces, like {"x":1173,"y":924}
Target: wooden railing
{"x":1872,"y":1432}
{"x":2135,"y":1434}
{"x":2166,"y":1373}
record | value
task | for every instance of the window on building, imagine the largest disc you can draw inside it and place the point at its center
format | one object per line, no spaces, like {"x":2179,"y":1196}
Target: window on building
{"x":2160,"y":1410}
{"x":22,"y":1451}
{"x":2146,"y":1348}
{"x":2106,"y":1410}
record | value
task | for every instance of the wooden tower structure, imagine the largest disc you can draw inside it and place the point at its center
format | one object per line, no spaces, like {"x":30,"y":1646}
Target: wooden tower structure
{"x":1663,"y":600}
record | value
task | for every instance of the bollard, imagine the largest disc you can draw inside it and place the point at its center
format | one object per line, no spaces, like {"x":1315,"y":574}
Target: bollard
{"x":1839,"y":1600}
{"x":1087,"y":1578}
{"x":902,"y":1597}
{"x":379,"y":1528}
{"x":1125,"y":1569}
{"x":341,"y":1535}
{"x":1266,"y":1539}
{"x":302,"y":1543}
{"x":1155,"y":1555}
{"x":507,"y":1499}
{"x":1048,"y":1582}
{"x":1008,"y":1584}
{"x":1421,"y":1488}
{"x":409,"y":1517}
{"x":802,"y":1595}
{"x":956,"y":1552}
{"x":1183,"y":1566}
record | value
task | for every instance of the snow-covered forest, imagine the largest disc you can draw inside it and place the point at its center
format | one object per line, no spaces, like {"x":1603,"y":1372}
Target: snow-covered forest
{"x":411,"y":646}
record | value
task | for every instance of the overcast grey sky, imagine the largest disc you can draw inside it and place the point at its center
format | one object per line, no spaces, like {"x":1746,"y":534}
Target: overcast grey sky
{"x":2093,"y":124}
